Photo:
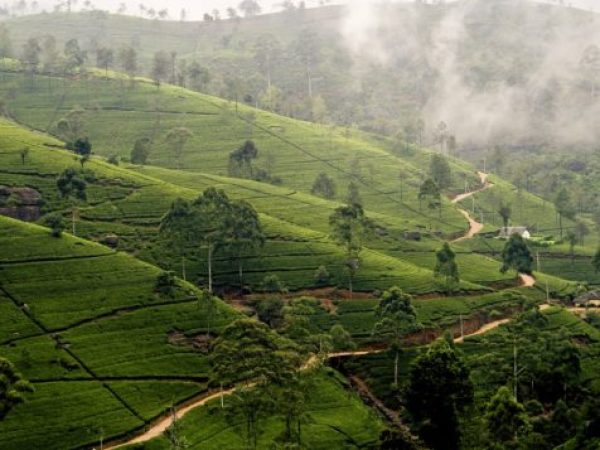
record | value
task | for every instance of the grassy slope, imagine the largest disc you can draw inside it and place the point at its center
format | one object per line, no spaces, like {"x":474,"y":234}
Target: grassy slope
{"x":56,"y":326}
{"x":338,"y":419}
{"x":131,"y":205}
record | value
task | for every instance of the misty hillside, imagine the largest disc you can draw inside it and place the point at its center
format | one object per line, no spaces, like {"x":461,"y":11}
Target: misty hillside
{"x":502,"y":80}
{"x":371,"y":226}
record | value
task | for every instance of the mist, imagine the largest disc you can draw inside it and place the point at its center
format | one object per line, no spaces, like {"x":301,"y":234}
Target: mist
{"x":540,"y":94}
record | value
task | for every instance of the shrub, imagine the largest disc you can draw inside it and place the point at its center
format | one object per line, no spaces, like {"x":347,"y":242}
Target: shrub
{"x":272,"y":283}
{"x":322,"y":276}
{"x":55,"y":222}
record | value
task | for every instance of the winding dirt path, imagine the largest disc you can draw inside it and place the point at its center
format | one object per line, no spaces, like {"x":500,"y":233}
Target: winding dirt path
{"x":527,"y":280}
{"x":474,"y":226}
{"x":161,"y":425}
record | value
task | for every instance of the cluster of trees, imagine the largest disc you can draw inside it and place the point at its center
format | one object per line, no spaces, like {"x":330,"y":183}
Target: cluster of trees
{"x":213,"y":222}
{"x":241,"y":164}
{"x":274,"y":375}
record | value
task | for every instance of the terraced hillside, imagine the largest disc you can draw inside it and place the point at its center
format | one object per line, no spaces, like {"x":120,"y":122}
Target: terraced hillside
{"x":90,"y":329}
{"x":292,"y":150}
{"x":130,"y":205}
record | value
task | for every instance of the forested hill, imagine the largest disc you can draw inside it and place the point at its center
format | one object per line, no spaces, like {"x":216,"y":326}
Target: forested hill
{"x":506,"y":80}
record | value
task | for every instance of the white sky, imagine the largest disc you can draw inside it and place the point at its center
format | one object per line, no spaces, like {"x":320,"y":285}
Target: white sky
{"x":196,"y":8}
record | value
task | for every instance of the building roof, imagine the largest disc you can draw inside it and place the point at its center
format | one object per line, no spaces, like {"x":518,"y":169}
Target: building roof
{"x":509,"y":231}
{"x":588,"y":297}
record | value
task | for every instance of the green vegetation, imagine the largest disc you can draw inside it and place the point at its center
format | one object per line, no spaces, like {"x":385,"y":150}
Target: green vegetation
{"x":88,"y":328}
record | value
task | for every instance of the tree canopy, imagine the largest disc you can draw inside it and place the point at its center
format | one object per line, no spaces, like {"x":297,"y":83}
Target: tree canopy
{"x":12,"y":387}
{"x":517,"y":256}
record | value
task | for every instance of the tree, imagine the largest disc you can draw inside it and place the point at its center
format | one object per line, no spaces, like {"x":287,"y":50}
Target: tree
{"x":582,"y":231}
{"x":430,"y":191}
{"x":23,"y":153}
{"x":70,"y":128}
{"x":505,"y":212}
{"x":74,"y":55}
{"x":176,"y":139}
{"x":267,"y":51}
{"x":596,"y":261}
{"x":248,"y":351}
{"x":55,"y":222}
{"x":50,"y":57}
{"x":5,"y":42}
{"x":160,"y":66}
{"x":127,"y":58}
{"x":211,"y":216}
{"x":270,"y":311}
{"x":199,"y":76}
{"x":564,"y":207}
{"x":396,"y":317}
{"x":440,"y":172}
{"x":240,"y":160}
{"x":83,"y":147}
{"x":349,"y":226}
{"x":505,"y":417}
{"x":324,"y":186}
{"x":31,"y":54}
{"x":249,"y":8}
{"x":176,"y":225}
{"x":517,"y":256}
{"x":72,"y":187}
{"x":105,"y":57}
{"x":141,"y":150}
{"x":353,"y":195}
{"x":572,"y":240}
{"x":341,"y":339}
{"x":590,"y":66}
{"x":447,"y":268}
{"x":439,"y":389}
{"x":245,"y":233}
{"x":12,"y":387}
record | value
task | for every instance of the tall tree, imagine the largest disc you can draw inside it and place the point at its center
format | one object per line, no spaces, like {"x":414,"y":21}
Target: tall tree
{"x":31,"y":54}
{"x":249,"y":8}
{"x":572,"y":240}
{"x":349,"y":226}
{"x":141,"y":150}
{"x":430,"y":191}
{"x":176,"y":139}
{"x":198,"y":75}
{"x":177,"y":225}
{"x":324,"y":186}
{"x":240,"y":160}
{"x":564,"y":207}
{"x":353,"y":196}
{"x":74,"y":56}
{"x":127,"y":58}
{"x":505,"y":212}
{"x":12,"y":387}
{"x":440,"y":171}
{"x":596,"y":261}
{"x":517,"y":256}
{"x":439,"y":390}
{"x":396,"y":317}
{"x":505,"y":418}
{"x":160,"y":66}
{"x":247,"y":351}
{"x":211,"y":216}
{"x":447,"y":268}
{"x":245,"y":233}
{"x":5,"y":42}
{"x":105,"y":58}
{"x":71,"y":186}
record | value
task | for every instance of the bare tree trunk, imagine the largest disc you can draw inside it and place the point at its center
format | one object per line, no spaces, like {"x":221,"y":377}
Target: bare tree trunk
{"x":396,"y":368}
{"x":183,"y":274}
{"x":210,"y":252}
